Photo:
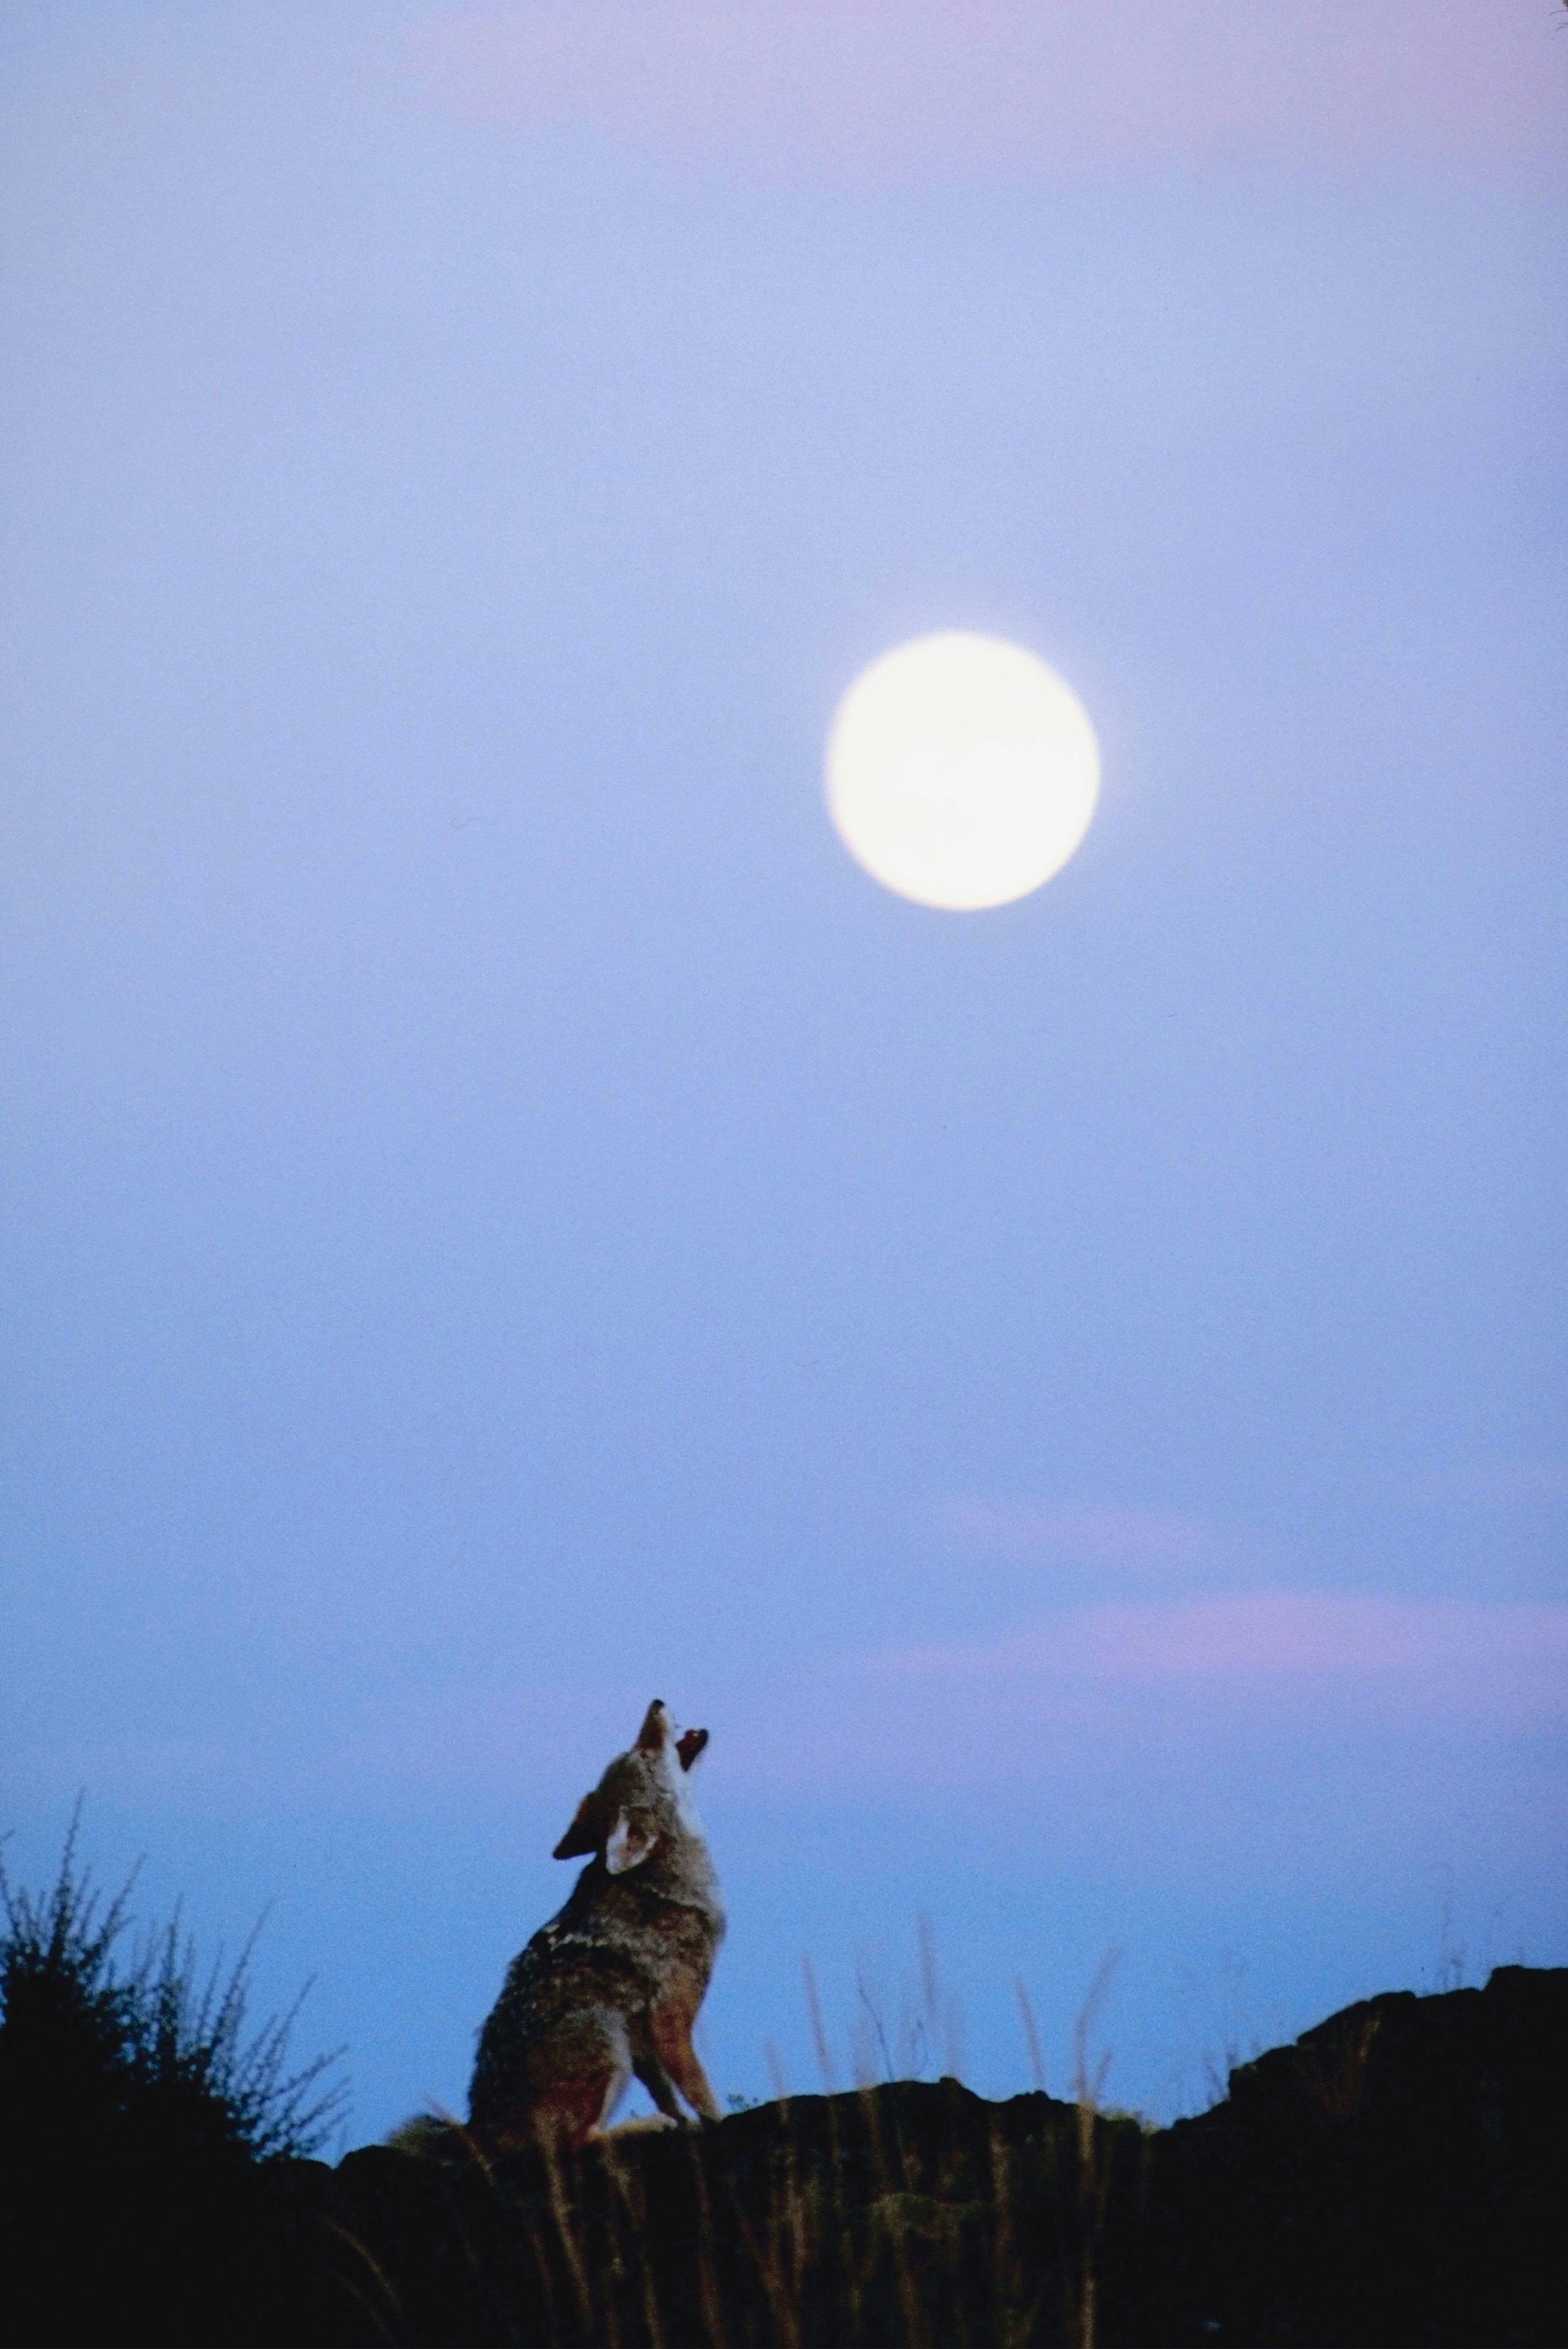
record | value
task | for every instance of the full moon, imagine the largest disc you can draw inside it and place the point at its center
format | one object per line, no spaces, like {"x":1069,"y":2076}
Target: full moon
{"x":962,"y":771}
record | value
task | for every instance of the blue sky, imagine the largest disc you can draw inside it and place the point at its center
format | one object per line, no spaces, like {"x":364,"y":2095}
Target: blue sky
{"x":506,"y":1220}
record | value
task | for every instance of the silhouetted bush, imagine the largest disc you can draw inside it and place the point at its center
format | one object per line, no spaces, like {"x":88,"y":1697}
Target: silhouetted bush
{"x":152,"y":2141}
{"x":150,"y":2062}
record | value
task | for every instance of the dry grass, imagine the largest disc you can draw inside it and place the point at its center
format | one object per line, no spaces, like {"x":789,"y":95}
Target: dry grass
{"x":891,"y":2211}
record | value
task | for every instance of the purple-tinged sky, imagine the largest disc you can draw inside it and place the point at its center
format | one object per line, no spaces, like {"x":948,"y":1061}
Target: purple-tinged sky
{"x":504,"y":1220}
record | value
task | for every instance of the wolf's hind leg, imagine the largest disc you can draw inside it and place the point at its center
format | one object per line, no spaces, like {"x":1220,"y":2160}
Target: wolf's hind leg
{"x":577,"y":2075}
{"x":655,"y":2078}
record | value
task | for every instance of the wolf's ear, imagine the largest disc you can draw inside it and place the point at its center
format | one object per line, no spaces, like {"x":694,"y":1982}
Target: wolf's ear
{"x":632,"y":1838}
{"x":586,"y":1832}
{"x":689,"y":1744}
{"x":655,"y":1728}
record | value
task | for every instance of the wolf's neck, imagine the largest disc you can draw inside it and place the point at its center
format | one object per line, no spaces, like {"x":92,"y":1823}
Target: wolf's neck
{"x":688,"y":1880}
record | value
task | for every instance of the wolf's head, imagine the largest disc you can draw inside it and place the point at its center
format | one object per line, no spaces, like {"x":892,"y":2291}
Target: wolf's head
{"x":642,"y":1800}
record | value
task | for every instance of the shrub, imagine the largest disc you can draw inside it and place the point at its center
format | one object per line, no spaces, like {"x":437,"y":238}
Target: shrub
{"x":145,"y":2060}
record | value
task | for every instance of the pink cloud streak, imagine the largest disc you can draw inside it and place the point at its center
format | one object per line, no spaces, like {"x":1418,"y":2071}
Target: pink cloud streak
{"x":1130,"y":1697}
{"x":1449,"y":1646}
{"x":881,"y":90}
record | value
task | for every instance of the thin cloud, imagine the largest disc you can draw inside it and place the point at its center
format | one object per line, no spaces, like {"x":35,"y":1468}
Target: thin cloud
{"x":1506,"y":1483}
{"x":1125,"y":1696}
{"x":1089,"y":1533}
{"x":1130,"y":1694}
{"x":879,"y":91}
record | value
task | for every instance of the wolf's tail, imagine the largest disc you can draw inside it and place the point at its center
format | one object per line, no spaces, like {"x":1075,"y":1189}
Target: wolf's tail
{"x":431,"y":2137}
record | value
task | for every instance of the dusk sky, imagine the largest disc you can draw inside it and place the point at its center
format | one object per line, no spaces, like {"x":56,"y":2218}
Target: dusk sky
{"x":505,"y":1219}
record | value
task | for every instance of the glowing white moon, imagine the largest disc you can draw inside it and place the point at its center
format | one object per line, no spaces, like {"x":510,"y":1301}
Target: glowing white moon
{"x":962,"y":771}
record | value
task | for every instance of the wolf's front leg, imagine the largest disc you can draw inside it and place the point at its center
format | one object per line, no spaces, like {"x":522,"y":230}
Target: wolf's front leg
{"x":657,"y":2082}
{"x":672,"y":2041}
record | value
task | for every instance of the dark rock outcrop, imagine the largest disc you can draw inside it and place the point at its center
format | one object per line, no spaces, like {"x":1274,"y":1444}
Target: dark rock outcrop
{"x":1400,"y":2175}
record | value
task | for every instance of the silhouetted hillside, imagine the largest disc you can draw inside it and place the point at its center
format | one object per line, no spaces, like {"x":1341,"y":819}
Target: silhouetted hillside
{"x":1398,"y":2176}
